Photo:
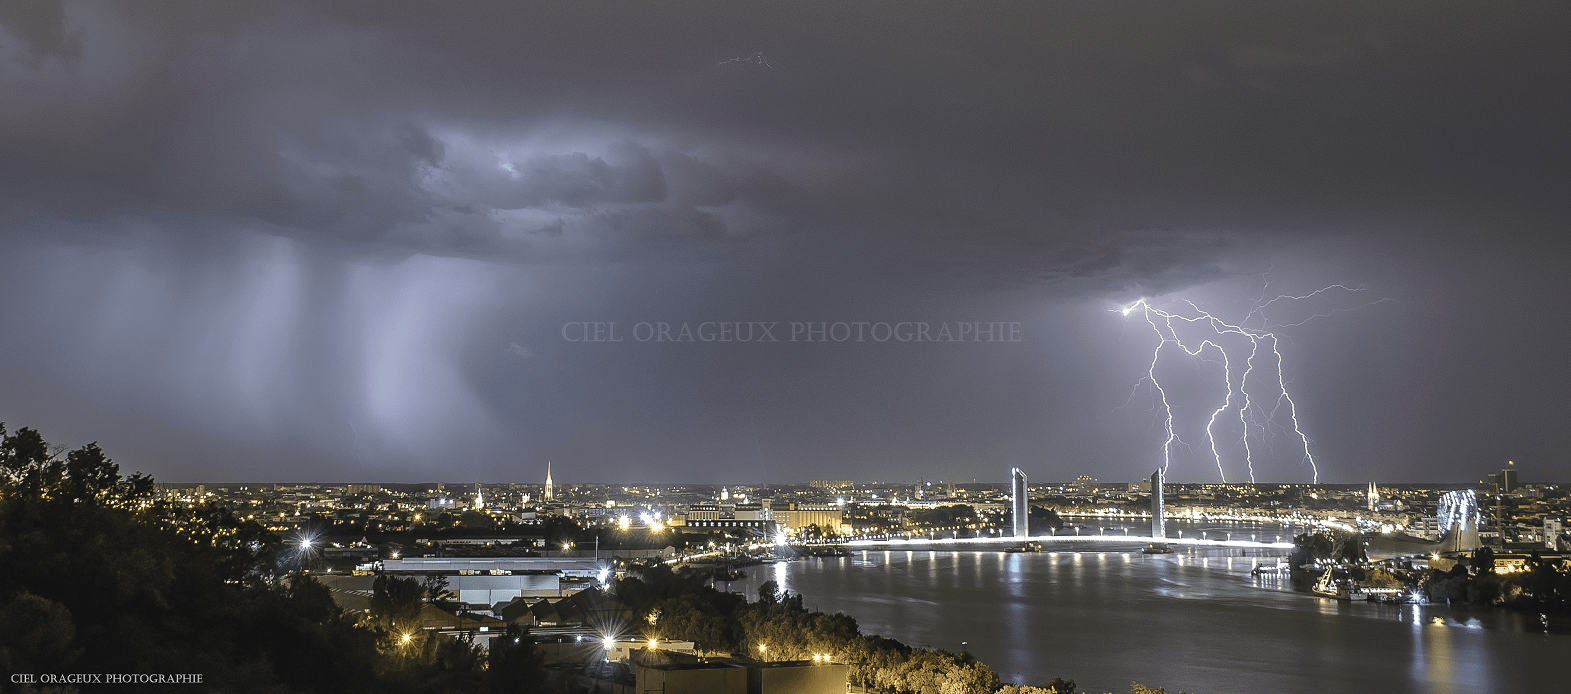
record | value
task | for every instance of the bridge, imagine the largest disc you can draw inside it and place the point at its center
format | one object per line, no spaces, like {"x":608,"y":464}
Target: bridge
{"x":1022,"y":533}
{"x":986,"y":543}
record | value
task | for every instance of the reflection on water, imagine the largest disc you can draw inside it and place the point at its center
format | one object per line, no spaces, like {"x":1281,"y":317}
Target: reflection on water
{"x":1196,"y":621}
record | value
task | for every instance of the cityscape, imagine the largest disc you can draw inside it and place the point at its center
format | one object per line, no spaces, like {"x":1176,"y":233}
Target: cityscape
{"x":811,"y":347}
{"x":555,"y":560}
{"x":396,"y":518}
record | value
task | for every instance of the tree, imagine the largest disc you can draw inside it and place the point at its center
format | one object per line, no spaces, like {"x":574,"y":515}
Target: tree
{"x":1380,"y":578}
{"x":1042,"y":517}
{"x":1483,"y":560}
{"x":435,"y":586}
{"x":101,"y":578}
{"x":1059,"y":686}
{"x":396,"y":603}
{"x":514,"y":664}
{"x":475,"y":520}
{"x":559,"y":529}
{"x":38,"y":636}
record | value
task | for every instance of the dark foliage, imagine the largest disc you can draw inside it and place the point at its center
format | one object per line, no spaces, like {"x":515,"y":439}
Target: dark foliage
{"x":514,"y":665}
{"x":678,"y":607}
{"x":100,"y":576}
{"x":1043,"y":518}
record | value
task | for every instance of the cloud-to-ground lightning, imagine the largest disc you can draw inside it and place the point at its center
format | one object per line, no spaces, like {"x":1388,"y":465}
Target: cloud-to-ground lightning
{"x":754,"y":59}
{"x":1215,"y":336}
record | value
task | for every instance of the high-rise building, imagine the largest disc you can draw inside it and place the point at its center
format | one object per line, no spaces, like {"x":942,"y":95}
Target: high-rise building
{"x":1158,"y":527}
{"x":1020,"y":504}
{"x":1554,"y":527}
{"x":549,"y":492}
{"x":1503,"y":483}
{"x":1086,"y":484}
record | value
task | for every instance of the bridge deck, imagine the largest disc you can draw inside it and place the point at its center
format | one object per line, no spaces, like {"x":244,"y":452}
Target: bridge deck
{"x":1068,"y":539}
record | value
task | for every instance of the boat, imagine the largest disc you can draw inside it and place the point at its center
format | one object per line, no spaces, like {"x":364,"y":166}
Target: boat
{"x":824,"y":551}
{"x":1326,"y":586}
{"x":727,"y":574}
{"x":1157,"y":548}
{"x":1280,"y":567}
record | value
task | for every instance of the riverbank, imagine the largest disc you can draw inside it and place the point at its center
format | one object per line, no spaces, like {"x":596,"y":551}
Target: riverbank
{"x":1192,"y":620}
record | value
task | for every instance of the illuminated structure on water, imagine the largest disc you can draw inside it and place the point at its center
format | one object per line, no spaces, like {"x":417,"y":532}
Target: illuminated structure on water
{"x":1020,"y":503}
{"x":1158,"y":527}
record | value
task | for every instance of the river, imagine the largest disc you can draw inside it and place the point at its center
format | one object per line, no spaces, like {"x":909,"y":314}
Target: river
{"x":1195,"y":620}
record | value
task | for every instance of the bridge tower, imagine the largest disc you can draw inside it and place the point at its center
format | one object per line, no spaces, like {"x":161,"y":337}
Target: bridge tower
{"x":1020,"y":505}
{"x":1158,"y":526}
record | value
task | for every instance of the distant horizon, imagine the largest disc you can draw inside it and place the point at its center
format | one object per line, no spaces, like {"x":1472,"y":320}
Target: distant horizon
{"x":717,"y":485}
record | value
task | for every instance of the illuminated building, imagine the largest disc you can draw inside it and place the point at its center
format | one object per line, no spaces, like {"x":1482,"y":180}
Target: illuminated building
{"x":1158,"y":527}
{"x":1458,"y":514}
{"x":1086,"y":484}
{"x":1020,"y":502}
{"x":797,"y":516}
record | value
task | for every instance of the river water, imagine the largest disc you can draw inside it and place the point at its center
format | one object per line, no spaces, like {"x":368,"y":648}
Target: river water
{"x":1195,"y":621}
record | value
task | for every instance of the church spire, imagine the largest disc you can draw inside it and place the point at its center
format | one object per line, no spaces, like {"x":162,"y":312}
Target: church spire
{"x":548,"y":491}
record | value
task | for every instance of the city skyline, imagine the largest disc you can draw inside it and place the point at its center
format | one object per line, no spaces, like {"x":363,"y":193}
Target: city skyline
{"x":405,"y":242}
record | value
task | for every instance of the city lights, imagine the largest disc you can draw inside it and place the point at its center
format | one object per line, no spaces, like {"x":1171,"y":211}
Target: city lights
{"x":821,"y":341}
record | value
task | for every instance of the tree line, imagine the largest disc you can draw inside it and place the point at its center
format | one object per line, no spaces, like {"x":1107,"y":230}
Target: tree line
{"x":1542,"y":584}
{"x":676,"y":605}
{"x":101,"y":575}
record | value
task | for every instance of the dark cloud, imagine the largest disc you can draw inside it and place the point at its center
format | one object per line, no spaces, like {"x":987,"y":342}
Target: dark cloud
{"x":340,"y":240}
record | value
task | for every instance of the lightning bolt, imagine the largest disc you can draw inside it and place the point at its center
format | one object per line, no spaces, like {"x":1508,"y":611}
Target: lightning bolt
{"x":755,"y":59}
{"x":1166,"y":323}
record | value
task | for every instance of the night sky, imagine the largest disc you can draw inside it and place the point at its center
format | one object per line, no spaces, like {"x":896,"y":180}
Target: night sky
{"x":275,"y":241}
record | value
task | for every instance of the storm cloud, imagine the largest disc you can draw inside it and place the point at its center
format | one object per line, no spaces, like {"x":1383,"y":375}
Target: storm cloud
{"x":335,"y":241}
